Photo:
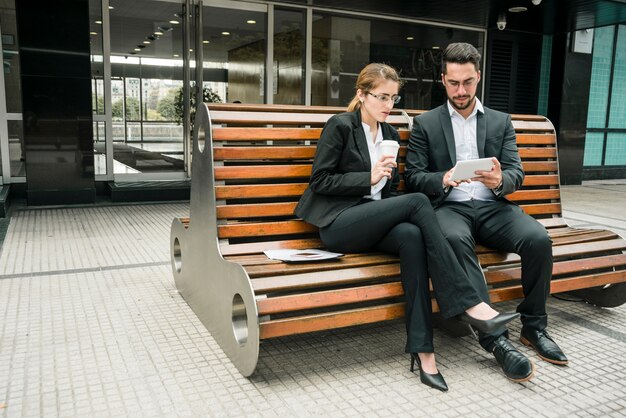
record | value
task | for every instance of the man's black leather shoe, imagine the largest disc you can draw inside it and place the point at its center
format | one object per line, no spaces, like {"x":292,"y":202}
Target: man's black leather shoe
{"x":544,"y":345}
{"x":514,"y":364}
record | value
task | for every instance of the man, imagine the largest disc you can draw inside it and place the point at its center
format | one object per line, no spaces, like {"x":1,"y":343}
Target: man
{"x":476,"y":210}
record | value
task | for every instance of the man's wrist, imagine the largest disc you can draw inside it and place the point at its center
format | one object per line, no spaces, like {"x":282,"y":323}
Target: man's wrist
{"x":498,"y":188}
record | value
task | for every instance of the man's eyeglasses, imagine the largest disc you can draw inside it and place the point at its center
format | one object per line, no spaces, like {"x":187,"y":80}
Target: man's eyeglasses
{"x":383,"y":98}
{"x":466,"y":84}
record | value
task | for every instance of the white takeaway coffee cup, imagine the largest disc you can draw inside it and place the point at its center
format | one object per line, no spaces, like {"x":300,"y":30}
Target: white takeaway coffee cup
{"x":389,"y":148}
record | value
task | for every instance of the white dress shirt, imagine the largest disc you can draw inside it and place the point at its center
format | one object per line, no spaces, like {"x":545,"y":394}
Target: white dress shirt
{"x":467,"y":149}
{"x":373,"y":147}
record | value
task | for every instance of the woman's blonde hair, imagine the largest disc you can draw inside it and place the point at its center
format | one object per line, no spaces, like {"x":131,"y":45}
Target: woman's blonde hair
{"x":370,"y":77}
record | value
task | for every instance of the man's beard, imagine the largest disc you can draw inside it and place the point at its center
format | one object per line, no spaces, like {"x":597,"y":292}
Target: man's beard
{"x":467,"y":104}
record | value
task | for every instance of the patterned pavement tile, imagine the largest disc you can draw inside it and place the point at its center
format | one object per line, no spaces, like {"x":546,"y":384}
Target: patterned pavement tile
{"x":93,"y":326}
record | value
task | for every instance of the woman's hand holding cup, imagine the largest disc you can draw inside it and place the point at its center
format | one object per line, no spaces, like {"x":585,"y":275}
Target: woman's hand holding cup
{"x":383,"y":168}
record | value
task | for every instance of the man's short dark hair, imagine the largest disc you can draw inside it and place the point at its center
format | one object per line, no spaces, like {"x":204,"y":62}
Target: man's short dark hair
{"x":460,"y":53}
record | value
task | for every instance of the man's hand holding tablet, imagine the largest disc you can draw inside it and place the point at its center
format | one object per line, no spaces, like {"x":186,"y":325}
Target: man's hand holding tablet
{"x":466,"y":170}
{"x":485,"y":170}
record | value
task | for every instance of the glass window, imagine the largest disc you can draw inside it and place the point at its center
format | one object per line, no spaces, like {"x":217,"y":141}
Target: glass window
{"x":10,"y":59}
{"x":617,"y":119}
{"x":289,"y":51}
{"x":97,"y":85}
{"x":99,"y":145}
{"x":146,"y":75}
{"x":600,"y":76}
{"x":16,"y":147}
{"x":342,"y":46}
{"x":615,"y":149}
{"x":235,"y":49}
{"x":97,"y":66}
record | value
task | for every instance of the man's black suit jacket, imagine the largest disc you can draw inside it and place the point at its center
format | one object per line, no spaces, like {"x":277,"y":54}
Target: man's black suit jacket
{"x":431,"y":151}
{"x":342,"y":168}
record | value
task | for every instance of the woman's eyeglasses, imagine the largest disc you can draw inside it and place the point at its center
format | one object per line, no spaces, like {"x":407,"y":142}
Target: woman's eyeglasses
{"x":383,"y":98}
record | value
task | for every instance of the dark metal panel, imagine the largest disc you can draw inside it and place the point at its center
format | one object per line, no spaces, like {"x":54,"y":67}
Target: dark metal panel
{"x":56,"y":100}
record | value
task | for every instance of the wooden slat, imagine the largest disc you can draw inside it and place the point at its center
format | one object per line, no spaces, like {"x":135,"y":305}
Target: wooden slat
{"x":536,"y":139}
{"x":329,"y":298}
{"x":562,"y":236}
{"x":544,"y":152}
{"x":324,"y":278}
{"x":266,"y":134}
{"x":257,"y":270}
{"x":590,"y":236}
{"x":540,"y":194}
{"x":300,"y":152}
{"x":310,"y":323}
{"x":569,"y":250}
{"x":252,"y":107}
{"x":533,"y":126}
{"x":542,"y":208}
{"x":260,"y":190}
{"x":261,"y":229}
{"x":552,"y":222}
{"x":568,"y":231}
{"x":257,"y":210}
{"x":515,"y":116}
{"x":541,"y":180}
{"x":268,"y":118}
{"x":561,"y":268}
{"x":261,"y":261}
{"x":539,"y":166}
{"x":562,"y":285}
{"x":262,"y":172}
{"x":259,"y":247}
{"x":520,"y":116}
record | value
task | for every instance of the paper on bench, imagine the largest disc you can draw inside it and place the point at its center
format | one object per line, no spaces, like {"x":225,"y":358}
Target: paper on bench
{"x":300,"y":255}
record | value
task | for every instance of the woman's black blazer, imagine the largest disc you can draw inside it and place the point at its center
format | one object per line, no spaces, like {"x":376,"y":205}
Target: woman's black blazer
{"x":341,"y":173}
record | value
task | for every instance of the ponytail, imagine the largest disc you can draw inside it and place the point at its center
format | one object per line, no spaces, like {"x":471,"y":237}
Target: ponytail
{"x":355,"y":104}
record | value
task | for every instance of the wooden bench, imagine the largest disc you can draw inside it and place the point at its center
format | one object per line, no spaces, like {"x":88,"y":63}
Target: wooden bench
{"x":251,"y":164}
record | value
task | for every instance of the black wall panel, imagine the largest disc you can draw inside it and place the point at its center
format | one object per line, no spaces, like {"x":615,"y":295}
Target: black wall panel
{"x":56,"y":99}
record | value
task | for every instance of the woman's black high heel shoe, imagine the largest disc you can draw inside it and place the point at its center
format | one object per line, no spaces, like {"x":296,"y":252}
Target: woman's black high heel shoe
{"x":488,"y":325}
{"x":435,"y":381}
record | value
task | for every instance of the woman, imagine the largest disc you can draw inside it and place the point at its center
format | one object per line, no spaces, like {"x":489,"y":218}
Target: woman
{"x":351,"y":199}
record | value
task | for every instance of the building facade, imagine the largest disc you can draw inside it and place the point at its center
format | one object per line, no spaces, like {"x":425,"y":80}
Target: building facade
{"x":96,"y":93}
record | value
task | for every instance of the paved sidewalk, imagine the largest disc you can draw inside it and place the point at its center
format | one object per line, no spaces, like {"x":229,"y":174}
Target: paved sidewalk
{"x":92,"y":325}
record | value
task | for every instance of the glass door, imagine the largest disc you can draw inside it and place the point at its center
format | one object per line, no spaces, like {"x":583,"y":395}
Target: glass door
{"x":138,"y":66}
{"x":12,"y":167}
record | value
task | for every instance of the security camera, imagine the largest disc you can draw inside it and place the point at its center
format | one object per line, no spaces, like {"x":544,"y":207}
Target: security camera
{"x":536,"y":2}
{"x":501,"y":21}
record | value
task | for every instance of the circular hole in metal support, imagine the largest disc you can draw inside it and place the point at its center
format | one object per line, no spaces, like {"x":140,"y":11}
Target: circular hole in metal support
{"x":240,"y":320}
{"x":201,"y":138}
{"x":178,"y":256}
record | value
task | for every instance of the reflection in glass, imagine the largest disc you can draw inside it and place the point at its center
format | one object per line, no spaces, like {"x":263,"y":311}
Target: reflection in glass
{"x":99,"y":155}
{"x":147,"y":73}
{"x":97,"y":65}
{"x":234,"y":52}
{"x":11,"y":59}
{"x":16,"y":148}
{"x":97,"y":86}
{"x":289,"y":50}
{"x":342,"y":46}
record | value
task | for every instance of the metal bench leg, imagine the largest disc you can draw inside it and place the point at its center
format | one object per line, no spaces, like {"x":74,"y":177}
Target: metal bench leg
{"x":608,"y":296}
{"x":219,"y":292}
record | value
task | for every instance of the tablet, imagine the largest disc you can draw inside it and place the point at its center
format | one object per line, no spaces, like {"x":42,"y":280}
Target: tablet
{"x":464,"y":170}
